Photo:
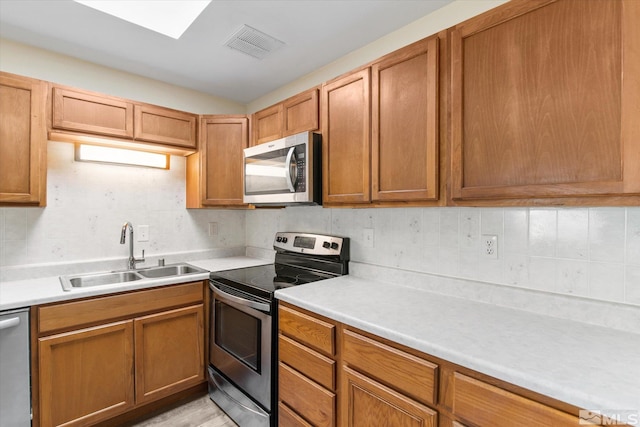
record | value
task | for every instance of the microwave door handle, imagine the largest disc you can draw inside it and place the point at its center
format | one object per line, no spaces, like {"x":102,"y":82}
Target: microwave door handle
{"x":291,"y":180}
{"x":247,"y":303}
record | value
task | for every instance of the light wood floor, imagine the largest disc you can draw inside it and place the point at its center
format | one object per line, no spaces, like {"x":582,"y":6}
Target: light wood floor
{"x":201,"y":412}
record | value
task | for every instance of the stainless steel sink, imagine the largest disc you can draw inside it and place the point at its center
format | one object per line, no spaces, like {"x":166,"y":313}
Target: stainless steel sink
{"x":170,"y":270}
{"x":116,"y":277}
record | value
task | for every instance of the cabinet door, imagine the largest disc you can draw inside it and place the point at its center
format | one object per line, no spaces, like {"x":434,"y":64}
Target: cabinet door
{"x":169,"y":352}
{"x":221,"y":177}
{"x":346,"y":145}
{"x":300,"y":113}
{"x":545,"y":99}
{"x":404,"y":137}
{"x":267,"y":124}
{"x":92,"y":113}
{"x":165,"y":126}
{"x":23,"y":140}
{"x":86,"y":375}
{"x":367,"y":403}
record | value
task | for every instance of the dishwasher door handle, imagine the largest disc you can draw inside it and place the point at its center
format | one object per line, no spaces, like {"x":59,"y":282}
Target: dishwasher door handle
{"x":9,"y":323}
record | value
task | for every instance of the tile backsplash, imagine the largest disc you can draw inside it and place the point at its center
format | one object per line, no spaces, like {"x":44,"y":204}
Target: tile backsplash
{"x":87,"y":204}
{"x":586,"y":252}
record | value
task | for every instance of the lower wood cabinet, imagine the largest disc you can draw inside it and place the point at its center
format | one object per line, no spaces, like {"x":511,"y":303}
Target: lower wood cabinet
{"x":368,"y":381}
{"x":482,"y":404}
{"x":91,"y":371}
{"x":86,"y":375}
{"x":367,"y":403}
{"x":307,"y":369}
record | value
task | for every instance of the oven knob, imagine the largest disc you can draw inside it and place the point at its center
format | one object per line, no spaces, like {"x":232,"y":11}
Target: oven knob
{"x":284,"y":240}
{"x":326,"y":245}
{"x":334,"y":246}
{"x":278,"y":239}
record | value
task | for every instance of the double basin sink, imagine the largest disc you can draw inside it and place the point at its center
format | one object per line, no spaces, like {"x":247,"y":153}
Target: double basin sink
{"x":118,"y":277}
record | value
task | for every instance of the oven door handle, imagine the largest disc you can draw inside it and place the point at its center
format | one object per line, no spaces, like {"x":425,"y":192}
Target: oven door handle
{"x":244,"y":302}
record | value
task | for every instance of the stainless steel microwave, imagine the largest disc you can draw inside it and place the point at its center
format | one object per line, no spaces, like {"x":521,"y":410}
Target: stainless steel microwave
{"x":284,"y":172}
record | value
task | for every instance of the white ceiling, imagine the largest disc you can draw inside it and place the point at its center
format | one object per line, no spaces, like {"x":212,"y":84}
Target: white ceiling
{"x":315,"y":32}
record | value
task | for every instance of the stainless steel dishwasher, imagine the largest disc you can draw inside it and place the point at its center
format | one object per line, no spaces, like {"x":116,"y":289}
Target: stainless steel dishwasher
{"x":15,"y":394}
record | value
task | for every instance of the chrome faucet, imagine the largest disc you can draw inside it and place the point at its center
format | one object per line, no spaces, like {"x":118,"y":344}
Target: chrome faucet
{"x":132,"y":260}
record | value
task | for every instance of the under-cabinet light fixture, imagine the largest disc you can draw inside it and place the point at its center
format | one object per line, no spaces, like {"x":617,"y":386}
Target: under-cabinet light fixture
{"x":120,"y":156}
{"x":168,"y":17}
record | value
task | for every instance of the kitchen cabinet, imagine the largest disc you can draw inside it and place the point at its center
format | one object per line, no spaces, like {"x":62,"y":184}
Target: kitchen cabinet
{"x":82,"y":116}
{"x":23,"y":140}
{"x":382,"y":382}
{"x":307,"y":369}
{"x":215,"y":173}
{"x":296,"y":114}
{"x":267,"y":124}
{"x":165,"y":126}
{"x":544,"y":103}
{"x":480,"y":403}
{"x":92,"y":113}
{"x":371,"y":381}
{"x":380,"y":129}
{"x":100,"y":357}
{"x":346,"y":139}
{"x":404,"y":128}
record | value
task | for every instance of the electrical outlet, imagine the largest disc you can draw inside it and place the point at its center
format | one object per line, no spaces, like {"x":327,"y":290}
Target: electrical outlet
{"x":367,"y":237}
{"x":490,"y":246}
{"x":213,"y":229}
{"x":143,"y":233}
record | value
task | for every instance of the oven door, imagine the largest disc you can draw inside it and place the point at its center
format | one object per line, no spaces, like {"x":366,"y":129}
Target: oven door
{"x":240,"y":342}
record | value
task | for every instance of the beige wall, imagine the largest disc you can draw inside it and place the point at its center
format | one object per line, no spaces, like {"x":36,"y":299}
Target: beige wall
{"x":430,"y":24}
{"x":42,"y":64}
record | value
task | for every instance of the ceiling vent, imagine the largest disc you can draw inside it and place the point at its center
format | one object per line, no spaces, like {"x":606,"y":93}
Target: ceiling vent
{"x":252,"y":42}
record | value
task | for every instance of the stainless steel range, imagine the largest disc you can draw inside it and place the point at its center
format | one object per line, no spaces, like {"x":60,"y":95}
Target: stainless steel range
{"x":243,"y":341}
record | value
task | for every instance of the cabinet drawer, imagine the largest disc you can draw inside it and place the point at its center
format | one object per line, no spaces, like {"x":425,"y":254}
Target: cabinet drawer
{"x":482,"y":404}
{"x":405,"y":372}
{"x":288,"y":418}
{"x":309,"y":330}
{"x":311,"y":401}
{"x":76,"y":313}
{"x":319,"y":368}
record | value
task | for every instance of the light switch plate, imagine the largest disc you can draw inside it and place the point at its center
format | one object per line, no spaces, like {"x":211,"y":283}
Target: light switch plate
{"x":143,"y":233}
{"x":367,"y":237}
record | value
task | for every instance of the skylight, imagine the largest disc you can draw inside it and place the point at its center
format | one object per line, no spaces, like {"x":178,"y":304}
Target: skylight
{"x":168,"y":17}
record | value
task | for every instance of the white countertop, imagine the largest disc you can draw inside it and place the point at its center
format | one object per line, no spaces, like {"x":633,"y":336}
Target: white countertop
{"x":588,"y":366}
{"x":24,"y":293}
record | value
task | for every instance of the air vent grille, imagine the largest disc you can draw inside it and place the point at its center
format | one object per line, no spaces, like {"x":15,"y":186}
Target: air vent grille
{"x":253,"y":42}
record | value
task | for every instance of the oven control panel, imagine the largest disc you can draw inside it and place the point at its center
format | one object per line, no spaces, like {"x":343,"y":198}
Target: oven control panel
{"x":313,"y":244}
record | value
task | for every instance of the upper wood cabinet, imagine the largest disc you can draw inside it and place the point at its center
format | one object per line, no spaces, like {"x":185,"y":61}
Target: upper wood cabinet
{"x":346,"y":139}
{"x":293,"y":115}
{"x":166,"y":126}
{"x":23,"y":140}
{"x":267,"y":124}
{"x":404,"y":128}
{"x":214,"y":174}
{"x":380,"y":130}
{"x":82,"y":116}
{"x":545,"y":100}
{"x":85,"y":112}
{"x":300,"y":113}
